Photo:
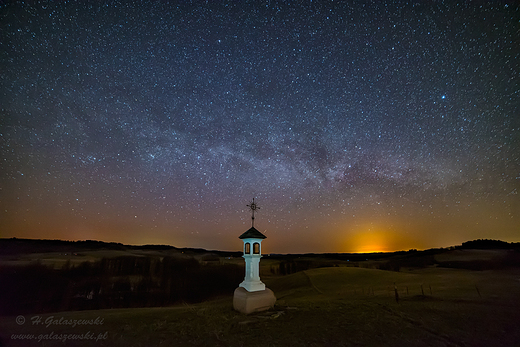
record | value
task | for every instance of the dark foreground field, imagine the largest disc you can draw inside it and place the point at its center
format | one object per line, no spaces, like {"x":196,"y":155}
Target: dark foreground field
{"x":337,"y":306}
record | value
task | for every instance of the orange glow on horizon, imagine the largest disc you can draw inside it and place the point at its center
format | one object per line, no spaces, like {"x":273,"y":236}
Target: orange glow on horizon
{"x":374,"y":238}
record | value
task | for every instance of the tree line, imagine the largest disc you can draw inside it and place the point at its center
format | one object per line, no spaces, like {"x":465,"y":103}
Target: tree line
{"x":118,"y":282}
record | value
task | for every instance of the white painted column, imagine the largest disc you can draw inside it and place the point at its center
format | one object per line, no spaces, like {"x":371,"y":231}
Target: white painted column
{"x":252,"y":282}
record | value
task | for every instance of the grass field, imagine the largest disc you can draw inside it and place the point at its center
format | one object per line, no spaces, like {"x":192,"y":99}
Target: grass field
{"x":339,"y":306}
{"x":58,"y":259}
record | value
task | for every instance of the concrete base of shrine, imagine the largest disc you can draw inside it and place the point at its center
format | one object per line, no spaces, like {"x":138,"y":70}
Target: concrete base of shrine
{"x":249,"y":302}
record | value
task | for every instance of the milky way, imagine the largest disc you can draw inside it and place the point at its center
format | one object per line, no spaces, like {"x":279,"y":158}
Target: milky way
{"x":393,"y":123}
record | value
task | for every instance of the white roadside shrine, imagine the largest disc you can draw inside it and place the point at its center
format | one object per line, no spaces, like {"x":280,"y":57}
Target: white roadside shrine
{"x":252,"y":294}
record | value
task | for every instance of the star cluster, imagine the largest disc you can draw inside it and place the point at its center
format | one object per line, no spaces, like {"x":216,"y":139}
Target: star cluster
{"x":156,"y":122}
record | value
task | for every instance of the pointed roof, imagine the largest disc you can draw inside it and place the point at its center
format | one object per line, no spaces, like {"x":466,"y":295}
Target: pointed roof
{"x":252,"y":234}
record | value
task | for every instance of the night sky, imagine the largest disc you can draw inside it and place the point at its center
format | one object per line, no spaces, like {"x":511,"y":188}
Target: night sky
{"x":357,"y":126}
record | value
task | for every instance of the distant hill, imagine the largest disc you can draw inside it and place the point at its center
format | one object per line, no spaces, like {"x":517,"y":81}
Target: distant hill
{"x":489,"y":244}
{"x":14,"y":246}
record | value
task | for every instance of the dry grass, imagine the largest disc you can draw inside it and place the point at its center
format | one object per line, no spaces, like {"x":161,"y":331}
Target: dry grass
{"x":322,"y":307}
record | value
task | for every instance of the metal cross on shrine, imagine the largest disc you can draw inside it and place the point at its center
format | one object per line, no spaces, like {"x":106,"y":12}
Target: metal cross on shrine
{"x":253,"y":207}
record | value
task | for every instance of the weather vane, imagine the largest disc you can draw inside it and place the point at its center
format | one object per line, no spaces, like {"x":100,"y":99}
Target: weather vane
{"x":253,"y":207}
